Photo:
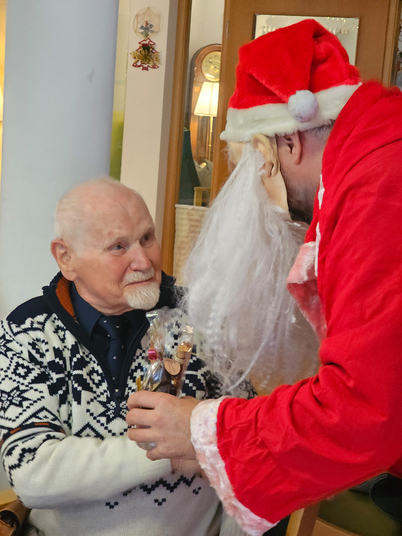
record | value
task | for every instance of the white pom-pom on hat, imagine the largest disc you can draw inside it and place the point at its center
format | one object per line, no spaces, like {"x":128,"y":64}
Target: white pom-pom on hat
{"x":303,"y":105}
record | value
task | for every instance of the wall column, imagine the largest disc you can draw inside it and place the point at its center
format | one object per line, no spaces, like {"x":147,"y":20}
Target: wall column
{"x":58,"y":101}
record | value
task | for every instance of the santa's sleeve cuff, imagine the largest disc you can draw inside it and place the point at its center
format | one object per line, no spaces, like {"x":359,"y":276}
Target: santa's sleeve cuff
{"x":204,"y":439}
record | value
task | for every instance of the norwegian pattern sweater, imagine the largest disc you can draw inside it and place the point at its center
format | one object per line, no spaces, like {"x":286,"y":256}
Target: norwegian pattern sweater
{"x":63,"y":430}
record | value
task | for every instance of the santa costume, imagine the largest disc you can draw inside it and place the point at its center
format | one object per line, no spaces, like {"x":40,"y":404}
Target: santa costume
{"x":272,"y":455}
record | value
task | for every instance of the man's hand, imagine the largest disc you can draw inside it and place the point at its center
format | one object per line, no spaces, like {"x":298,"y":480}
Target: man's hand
{"x":168,"y":422}
{"x":187,"y":467}
{"x":272,"y":177}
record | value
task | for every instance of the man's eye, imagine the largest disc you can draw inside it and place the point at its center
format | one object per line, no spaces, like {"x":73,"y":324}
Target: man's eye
{"x":146,"y":239}
{"x":117,"y":247}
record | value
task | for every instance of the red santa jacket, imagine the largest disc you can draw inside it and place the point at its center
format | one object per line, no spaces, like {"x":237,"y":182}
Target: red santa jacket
{"x":269,"y":456}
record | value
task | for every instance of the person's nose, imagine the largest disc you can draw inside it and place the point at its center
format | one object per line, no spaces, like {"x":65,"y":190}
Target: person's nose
{"x":139,"y":259}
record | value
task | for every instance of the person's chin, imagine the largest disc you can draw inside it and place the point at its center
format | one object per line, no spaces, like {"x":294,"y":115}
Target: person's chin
{"x":144,"y":296}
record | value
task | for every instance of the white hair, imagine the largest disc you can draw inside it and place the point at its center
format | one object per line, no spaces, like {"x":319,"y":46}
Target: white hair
{"x":322,"y":133}
{"x":237,"y":297}
{"x":145,"y":297}
{"x":70,"y":216}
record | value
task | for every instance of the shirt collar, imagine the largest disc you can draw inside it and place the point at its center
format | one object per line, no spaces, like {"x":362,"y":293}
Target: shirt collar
{"x":87,"y":315}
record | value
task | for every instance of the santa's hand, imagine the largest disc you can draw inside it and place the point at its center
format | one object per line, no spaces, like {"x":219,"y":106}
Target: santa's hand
{"x":271,"y":174}
{"x":187,"y":467}
{"x":167,"y":419}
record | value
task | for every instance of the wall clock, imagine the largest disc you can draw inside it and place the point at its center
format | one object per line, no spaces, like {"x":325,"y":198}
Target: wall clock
{"x":207,"y":63}
{"x":211,"y":65}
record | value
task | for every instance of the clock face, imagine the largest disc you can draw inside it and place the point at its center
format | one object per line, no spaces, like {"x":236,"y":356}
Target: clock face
{"x":211,"y":66}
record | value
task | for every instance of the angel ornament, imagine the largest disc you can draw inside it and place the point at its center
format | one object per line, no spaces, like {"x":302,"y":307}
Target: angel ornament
{"x":147,"y":23}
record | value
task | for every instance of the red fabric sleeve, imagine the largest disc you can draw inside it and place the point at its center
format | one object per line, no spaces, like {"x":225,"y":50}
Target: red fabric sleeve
{"x":327,"y":433}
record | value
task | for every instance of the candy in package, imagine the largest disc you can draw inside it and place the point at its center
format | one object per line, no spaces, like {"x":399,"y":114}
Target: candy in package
{"x":168,"y":359}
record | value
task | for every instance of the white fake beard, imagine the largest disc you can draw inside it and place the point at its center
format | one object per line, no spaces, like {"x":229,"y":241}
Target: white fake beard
{"x":144,"y":297}
{"x":236,"y":276}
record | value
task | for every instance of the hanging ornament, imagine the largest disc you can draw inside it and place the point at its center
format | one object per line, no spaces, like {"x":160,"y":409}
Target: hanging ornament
{"x":147,"y":23}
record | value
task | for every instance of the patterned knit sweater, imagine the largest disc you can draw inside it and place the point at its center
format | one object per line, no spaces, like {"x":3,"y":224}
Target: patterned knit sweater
{"x":63,"y":431}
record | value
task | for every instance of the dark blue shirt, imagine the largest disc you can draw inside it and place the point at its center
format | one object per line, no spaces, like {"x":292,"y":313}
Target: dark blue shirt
{"x":88,"y":316}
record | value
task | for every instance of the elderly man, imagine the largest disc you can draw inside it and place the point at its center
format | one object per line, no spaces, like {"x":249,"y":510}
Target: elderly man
{"x":65,"y":380}
{"x":272,"y":455}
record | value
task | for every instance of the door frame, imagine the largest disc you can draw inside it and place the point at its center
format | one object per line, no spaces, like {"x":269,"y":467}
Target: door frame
{"x":176,"y":132}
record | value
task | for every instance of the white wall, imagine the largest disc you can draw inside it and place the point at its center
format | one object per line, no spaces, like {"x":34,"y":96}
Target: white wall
{"x":123,"y":31}
{"x":206,"y":24}
{"x":147,"y":114}
{"x":58,"y":98}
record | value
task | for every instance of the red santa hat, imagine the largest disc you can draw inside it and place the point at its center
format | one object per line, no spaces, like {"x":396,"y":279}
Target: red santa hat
{"x":295,"y":78}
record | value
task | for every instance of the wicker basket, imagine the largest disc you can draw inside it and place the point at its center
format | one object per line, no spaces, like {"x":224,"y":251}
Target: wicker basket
{"x":189,"y":219}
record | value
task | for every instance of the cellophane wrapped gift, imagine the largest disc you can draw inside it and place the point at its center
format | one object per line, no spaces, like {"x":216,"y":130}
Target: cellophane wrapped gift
{"x":170,"y":347}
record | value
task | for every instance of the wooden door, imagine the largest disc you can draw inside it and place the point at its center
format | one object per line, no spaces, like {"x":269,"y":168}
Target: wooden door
{"x":375,"y":56}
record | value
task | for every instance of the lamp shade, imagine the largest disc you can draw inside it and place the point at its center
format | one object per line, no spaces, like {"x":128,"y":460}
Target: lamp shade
{"x":207,"y":103}
{"x":1,"y":105}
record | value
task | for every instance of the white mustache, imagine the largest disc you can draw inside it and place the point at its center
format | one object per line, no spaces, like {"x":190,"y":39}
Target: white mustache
{"x":137,"y":277}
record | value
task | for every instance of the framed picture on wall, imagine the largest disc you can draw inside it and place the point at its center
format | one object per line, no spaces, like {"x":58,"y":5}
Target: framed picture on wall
{"x":346,"y":29}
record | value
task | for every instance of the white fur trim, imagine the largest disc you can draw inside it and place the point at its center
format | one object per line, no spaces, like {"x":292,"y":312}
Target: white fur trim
{"x":204,"y":439}
{"x":301,"y":271}
{"x":321,"y":192}
{"x":318,"y":239}
{"x":275,"y":119}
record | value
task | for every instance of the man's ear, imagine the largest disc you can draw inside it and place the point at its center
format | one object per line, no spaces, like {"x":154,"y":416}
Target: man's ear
{"x":63,"y":256}
{"x":290,"y":146}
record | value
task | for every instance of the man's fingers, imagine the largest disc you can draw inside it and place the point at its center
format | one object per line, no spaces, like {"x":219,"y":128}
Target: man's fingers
{"x":155,"y":455}
{"x":139,"y":435}
{"x":141,"y":417}
{"x":143,"y":399}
